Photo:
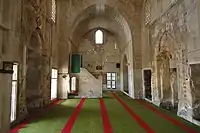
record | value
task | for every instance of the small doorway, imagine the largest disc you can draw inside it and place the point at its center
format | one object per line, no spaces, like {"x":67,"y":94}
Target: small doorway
{"x":147,"y":84}
{"x":111,"y":80}
{"x":13,"y":111}
{"x":73,"y":85}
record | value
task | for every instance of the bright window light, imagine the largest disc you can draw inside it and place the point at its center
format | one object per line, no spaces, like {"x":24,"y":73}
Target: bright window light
{"x":99,"y":37}
{"x":14,"y":93}
{"x":73,"y":87}
{"x":54,"y":82}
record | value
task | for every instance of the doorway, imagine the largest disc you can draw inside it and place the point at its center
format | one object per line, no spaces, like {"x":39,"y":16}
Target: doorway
{"x":13,"y":111}
{"x":147,"y":83}
{"x":111,"y":80}
{"x":73,"y":85}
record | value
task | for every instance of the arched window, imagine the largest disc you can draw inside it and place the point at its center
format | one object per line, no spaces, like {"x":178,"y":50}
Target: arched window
{"x":99,"y":37}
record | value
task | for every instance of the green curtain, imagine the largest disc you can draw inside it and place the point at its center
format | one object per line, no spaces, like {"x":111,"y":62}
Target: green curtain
{"x":76,"y":63}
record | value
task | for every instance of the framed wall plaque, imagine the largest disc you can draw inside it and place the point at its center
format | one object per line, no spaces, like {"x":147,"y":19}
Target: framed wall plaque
{"x":7,"y":67}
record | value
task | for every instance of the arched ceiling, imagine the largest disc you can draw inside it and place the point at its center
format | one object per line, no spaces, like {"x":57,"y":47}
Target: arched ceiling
{"x":120,"y":17}
{"x":101,"y":16}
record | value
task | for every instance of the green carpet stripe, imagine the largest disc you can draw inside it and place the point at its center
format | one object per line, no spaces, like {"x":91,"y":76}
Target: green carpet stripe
{"x":120,"y":120}
{"x":157,"y":123}
{"x":134,"y":115}
{"x":54,"y":120}
{"x":177,"y":118}
{"x":89,"y":119}
{"x":150,"y":117}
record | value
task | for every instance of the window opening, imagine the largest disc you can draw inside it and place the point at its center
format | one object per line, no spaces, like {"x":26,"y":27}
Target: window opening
{"x":111,"y":80}
{"x":99,"y":37}
{"x":54,"y":83}
{"x":14,"y":93}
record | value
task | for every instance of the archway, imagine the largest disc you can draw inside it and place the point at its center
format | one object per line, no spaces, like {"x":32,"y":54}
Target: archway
{"x":110,"y":22}
{"x":125,"y":75}
{"x":166,"y":72}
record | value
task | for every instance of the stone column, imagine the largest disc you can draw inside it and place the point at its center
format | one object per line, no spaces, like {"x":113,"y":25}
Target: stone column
{"x":63,"y":85}
{"x":172,"y":86}
{"x":185,"y":96}
{"x":46,"y":80}
{"x":166,"y":82}
{"x":5,"y":93}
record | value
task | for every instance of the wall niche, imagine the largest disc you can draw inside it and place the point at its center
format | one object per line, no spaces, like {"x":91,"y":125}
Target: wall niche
{"x":195,"y":88}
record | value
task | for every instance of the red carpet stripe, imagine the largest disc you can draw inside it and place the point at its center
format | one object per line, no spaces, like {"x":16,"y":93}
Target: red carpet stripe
{"x":144,"y":125}
{"x":174,"y":121}
{"x":27,"y":121}
{"x":54,"y":103}
{"x":74,"y":116}
{"x":106,"y":123}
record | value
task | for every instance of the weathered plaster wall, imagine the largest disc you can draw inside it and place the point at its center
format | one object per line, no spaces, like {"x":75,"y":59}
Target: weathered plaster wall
{"x":9,"y":51}
{"x":37,"y":32}
{"x":106,"y":55}
{"x":27,"y":36}
{"x":88,"y":85}
{"x":170,"y":36}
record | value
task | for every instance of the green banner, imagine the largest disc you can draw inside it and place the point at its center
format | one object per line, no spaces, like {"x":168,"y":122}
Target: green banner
{"x":76,"y":63}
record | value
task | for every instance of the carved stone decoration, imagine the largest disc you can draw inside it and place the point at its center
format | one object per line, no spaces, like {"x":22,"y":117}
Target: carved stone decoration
{"x":46,"y":65}
{"x":23,"y":112}
{"x":169,"y":36}
{"x":173,"y":86}
{"x":39,"y":23}
{"x":163,"y":57}
{"x":155,"y":93}
{"x":34,"y":65}
{"x":46,"y":80}
{"x":147,"y":12}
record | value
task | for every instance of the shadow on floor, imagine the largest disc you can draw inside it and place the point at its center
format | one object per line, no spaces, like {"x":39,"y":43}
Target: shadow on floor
{"x":60,"y":112}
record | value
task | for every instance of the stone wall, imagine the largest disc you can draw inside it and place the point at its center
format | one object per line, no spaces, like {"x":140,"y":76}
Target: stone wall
{"x":128,"y":29}
{"x":106,"y":55}
{"x":171,"y":35}
{"x":10,"y":50}
{"x":28,"y":39}
{"x":37,"y":34}
{"x":88,"y":86}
